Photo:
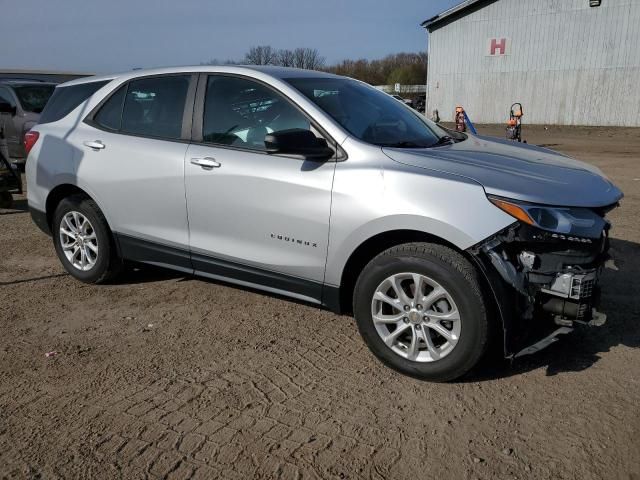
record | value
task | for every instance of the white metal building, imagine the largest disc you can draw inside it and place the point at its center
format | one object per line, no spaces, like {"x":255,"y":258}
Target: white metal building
{"x":569,"y":62}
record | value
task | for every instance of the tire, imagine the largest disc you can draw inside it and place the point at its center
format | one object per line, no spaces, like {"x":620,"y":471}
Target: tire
{"x":442,"y":273}
{"x":107,"y":263}
{"x":6,"y":200}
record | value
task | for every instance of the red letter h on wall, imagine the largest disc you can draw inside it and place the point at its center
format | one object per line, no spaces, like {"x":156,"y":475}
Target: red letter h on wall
{"x":495,"y":45}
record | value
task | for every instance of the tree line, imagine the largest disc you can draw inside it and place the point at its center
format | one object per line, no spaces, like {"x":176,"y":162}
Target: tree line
{"x":307,"y":58}
{"x":403,"y":68}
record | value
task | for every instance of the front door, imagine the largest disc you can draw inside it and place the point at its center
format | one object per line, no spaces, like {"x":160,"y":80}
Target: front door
{"x":256,"y":218}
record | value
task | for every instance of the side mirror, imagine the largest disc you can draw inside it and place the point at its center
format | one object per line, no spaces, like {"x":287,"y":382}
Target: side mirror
{"x":298,"y":142}
{"x":6,"y":108}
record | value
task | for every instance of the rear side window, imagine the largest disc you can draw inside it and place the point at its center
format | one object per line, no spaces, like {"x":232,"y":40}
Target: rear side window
{"x":155,"y":106}
{"x":110,"y":115}
{"x":65,"y":99}
{"x":150,"y":107}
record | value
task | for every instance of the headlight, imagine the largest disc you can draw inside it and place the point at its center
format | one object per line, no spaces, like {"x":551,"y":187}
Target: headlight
{"x":580,"y":222}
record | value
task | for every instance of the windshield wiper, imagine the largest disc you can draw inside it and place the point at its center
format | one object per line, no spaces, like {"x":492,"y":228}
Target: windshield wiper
{"x":404,"y":144}
{"x":444,"y":140}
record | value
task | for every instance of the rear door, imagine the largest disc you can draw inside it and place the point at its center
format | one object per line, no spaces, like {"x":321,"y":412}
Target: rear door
{"x":133,"y":148}
{"x":258,"y":218}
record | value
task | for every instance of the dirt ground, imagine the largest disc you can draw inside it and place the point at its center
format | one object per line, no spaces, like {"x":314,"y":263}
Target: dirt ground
{"x":166,"y":376}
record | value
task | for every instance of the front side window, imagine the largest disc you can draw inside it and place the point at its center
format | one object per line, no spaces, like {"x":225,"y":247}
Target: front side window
{"x":154,"y":106}
{"x":33,"y":98}
{"x":241,"y":112}
{"x":369,"y":114}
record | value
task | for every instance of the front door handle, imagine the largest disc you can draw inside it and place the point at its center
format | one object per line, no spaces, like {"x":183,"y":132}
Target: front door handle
{"x":96,"y":144}
{"x":207,"y":163}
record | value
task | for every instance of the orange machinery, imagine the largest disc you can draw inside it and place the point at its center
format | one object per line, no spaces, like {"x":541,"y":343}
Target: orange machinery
{"x":514,"y":124}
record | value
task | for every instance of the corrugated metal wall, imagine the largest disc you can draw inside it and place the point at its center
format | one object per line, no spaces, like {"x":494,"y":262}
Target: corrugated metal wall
{"x":566,"y":62}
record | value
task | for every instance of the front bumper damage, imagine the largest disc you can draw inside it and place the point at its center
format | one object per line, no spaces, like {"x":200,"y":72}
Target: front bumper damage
{"x":544,"y":284}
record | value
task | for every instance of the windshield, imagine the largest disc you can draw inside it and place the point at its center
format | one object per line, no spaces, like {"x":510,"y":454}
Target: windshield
{"x":33,"y":98}
{"x":369,"y":114}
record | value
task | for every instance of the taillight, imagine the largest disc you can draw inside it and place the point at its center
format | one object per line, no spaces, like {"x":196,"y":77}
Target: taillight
{"x":30,"y":139}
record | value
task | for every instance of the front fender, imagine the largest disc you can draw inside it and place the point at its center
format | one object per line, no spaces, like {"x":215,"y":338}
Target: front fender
{"x":370,"y":201}
{"x":340,"y":253}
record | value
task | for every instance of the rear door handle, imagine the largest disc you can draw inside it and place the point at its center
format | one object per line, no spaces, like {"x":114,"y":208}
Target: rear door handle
{"x":207,"y":163}
{"x":96,"y":144}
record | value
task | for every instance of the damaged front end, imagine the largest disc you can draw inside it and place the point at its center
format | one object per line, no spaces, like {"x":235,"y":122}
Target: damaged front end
{"x":543,"y":271}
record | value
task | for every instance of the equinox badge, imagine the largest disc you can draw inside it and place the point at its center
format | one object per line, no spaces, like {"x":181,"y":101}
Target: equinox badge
{"x":286,"y":238}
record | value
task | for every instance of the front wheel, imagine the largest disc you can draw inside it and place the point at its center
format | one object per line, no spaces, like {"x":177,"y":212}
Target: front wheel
{"x":83,"y":240}
{"x":420,"y":309}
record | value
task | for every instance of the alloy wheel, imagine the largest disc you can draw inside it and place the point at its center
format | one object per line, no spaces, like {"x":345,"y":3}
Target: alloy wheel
{"x":78,"y":241}
{"x":416,"y":317}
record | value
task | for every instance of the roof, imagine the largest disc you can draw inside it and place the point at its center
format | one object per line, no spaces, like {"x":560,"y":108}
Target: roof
{"x":39,"y":75}
{"x":22,"y":71}
{"x":270,"y":70}
{"x":23,"y":82}
{"x":454,"y":13}
{"x":286,"y":72}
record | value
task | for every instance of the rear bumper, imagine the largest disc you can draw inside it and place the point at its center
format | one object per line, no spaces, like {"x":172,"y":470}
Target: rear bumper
{"x":40,"y":219}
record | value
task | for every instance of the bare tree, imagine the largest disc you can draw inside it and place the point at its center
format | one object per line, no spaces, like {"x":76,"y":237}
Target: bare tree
{"x":285,"y":58}
{"x":262,"y":55}
{"x":308,"y":58}
{"x":298,"y":58}
{"x":312,"y":59}
{"x":215,"y":61}
{"x":404,"y":68}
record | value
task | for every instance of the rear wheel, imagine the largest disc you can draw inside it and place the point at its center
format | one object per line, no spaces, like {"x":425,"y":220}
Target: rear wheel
{"x":83,"y":240}
{"x":420,"y":309}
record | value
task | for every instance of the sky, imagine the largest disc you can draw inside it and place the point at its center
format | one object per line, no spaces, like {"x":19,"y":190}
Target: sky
{"x":116,"y":35}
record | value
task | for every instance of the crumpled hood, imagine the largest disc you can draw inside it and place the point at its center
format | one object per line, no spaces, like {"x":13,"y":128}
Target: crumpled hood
{"x":516,"y":170}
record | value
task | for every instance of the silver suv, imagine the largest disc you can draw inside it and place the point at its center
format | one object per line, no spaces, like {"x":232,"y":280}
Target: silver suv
{"x":322,"y":188}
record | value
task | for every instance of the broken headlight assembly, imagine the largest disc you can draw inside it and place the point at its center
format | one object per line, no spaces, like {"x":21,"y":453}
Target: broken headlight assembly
{"x":552,"y":256}
{"x":567,"y":223}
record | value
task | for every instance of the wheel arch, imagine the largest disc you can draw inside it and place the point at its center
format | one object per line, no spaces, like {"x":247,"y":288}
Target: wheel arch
{"x":373,"y":246}
{"x":59,"y":193}
{"x":65,"y":190}
{"x":380,"y":242}
{"x":82,"y":200}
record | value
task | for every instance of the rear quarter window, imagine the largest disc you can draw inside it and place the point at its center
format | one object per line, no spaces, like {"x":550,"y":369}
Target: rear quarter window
{"x":65,"y":99}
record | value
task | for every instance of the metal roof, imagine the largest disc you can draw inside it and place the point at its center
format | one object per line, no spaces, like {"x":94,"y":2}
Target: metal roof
{"x":454,"y":13}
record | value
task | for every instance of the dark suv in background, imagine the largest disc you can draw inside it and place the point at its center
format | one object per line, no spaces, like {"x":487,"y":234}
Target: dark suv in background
{"x":26,"y":100}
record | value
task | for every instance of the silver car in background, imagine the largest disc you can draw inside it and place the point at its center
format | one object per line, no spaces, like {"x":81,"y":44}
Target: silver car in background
{"x":322,"y":188}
